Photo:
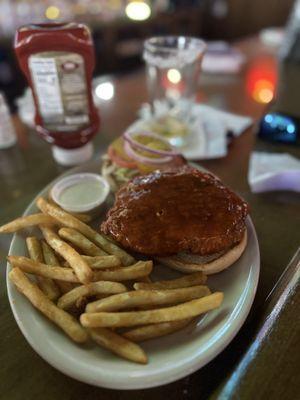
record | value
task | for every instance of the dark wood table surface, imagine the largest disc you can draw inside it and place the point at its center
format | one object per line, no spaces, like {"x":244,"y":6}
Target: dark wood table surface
{"x":26,"y":168}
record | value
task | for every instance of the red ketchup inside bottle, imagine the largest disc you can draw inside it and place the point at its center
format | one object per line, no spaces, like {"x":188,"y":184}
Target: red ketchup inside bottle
{"x":58,"y":62}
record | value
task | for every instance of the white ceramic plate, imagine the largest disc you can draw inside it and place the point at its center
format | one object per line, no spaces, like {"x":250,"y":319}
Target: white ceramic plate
{"x":171,"y":357}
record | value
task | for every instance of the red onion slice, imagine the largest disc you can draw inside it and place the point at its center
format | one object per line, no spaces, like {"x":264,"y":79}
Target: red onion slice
{"x":143,"y":159}
{"x":134,"y":143}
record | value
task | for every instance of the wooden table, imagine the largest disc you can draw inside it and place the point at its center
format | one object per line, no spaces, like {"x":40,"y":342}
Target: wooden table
{"x":27,"y":168}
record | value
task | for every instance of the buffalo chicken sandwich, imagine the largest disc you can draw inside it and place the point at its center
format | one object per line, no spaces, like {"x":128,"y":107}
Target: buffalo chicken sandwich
{"x":185,"y":218}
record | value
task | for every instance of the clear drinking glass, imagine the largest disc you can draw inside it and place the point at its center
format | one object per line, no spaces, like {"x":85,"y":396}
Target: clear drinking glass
{"x":173,"y":67}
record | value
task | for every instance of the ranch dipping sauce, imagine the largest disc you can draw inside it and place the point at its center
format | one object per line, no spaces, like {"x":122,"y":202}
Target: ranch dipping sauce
{"x":80,"y":192}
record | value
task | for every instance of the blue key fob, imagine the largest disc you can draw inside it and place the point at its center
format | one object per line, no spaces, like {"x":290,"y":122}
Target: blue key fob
{"x":278,"y":127}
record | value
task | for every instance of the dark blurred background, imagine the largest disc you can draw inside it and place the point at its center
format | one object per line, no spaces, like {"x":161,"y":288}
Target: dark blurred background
{"x":119,"y":26}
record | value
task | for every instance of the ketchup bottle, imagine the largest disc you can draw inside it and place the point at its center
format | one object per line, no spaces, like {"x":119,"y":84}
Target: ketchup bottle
{"x":58,"y":62}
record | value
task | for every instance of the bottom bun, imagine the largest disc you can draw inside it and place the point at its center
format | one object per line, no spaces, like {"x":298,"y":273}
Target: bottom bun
{"x":212,"y":267}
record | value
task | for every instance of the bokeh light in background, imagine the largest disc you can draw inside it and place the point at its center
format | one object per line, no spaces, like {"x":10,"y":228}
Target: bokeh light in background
{"x":263,"y":91}
{"x":261,"y":80}
{"x":174,"y":75}
{"x":138,"y":10}
{"x":173,"y":83}
{"x":105,"y":91}
{"x":52,"y":12}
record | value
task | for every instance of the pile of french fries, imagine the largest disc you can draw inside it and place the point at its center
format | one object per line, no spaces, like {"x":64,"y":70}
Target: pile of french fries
{"x":92,"y":289}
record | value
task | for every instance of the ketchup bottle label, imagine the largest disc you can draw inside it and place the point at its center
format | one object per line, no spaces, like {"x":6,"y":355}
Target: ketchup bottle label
{"x":60,"y":87}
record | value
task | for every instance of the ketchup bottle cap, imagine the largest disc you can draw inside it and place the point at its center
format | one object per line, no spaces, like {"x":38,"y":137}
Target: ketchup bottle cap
{"x":69,"y":157}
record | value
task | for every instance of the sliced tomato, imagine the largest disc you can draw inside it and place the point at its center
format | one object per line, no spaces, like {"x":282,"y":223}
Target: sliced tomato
{"x":118,"y":155}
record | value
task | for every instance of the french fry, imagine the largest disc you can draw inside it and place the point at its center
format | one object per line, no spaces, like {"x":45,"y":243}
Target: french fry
{"x":70,"y":221}
{"x":90,"y":289}
{"x":81,"y":242}
{"x":135,"y":271}
{"x":102,"y":262}
{"x":79,"y":265}
{"x":118,"y":345}
{"x":68,"y":275}
{"x":186,"y":310}
{"x":137,"y":298}
{"x":81,"y":216}
{"x":26,"y":222}
{"x":51,"y":259}
{"x":46,"y":285}
{"x":37,"y":268}
{"x":198,"y":278}
{"x":148,"y":332}
{"x":61,"y":318}
{"x":34,"y":249}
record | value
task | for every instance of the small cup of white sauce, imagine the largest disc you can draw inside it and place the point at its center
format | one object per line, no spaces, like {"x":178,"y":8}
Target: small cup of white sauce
{"x":82,"y":193}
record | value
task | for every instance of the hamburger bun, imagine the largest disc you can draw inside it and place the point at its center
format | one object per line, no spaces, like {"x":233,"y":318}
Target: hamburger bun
{"x":211,"y":267}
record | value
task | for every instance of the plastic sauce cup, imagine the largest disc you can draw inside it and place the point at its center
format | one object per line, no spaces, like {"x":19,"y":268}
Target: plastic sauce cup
{"x":82,"y":193}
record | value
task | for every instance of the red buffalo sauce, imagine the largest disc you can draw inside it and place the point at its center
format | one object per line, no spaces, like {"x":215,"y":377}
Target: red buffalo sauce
{"x":58,"y":62}
{"x":179,"y":210}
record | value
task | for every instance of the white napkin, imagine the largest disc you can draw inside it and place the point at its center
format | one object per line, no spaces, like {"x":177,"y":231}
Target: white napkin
{"x":273,"y":171}
{"x":209,"y":128}
{"x":217,"y":125}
